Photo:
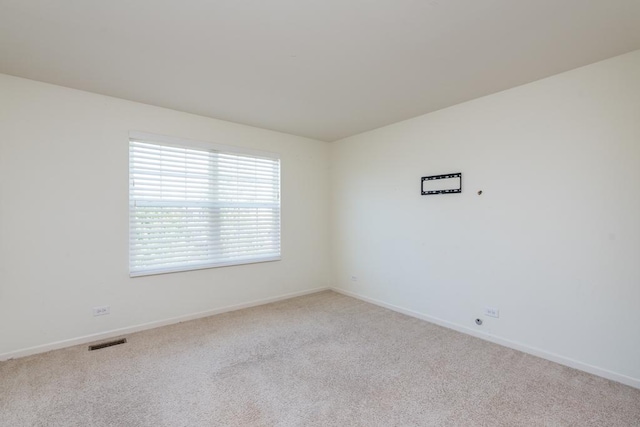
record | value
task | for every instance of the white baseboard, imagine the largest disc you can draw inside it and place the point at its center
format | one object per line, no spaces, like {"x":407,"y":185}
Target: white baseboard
{"x":610,"y":375}
{"x":151,"y":325}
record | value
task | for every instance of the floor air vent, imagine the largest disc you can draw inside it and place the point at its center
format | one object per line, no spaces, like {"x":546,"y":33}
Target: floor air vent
{"x":107,"y":344}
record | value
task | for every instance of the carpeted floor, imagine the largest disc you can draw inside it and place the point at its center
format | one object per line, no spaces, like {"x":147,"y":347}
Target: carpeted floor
{"x":318,"y":360}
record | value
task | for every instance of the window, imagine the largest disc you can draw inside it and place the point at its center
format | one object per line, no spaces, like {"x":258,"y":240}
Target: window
{"x":195,"y":206}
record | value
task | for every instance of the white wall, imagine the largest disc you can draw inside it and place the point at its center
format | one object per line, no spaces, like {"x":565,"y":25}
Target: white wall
{"x":554,"y":241}
{"x":64,"y":217}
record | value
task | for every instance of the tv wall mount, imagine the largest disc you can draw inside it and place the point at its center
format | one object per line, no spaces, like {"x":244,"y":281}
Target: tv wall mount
{"x":441,"y":184}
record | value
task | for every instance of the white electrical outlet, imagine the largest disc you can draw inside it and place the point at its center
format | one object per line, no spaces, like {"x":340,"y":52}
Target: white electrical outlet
{"x":102,"y":310}
{"x":354,"y":278}
{"x":491,"y":312}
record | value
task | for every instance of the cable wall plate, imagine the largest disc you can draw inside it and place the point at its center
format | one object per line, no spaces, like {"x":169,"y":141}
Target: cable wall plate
{"x":441,"y":184}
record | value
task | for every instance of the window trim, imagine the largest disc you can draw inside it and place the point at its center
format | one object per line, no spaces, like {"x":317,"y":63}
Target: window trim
{"x":209,"y":146}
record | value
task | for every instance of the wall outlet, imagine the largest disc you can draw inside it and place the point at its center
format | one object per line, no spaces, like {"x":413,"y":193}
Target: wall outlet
{"x":101,"y":311}
{"x":491,"y":312}
{"x":354,"y":278}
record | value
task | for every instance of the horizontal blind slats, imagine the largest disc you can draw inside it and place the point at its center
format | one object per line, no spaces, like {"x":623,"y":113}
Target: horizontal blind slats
{"x":191,"y":208}
{"x":195,"y":245}
{"x":202,"y":156}
{"x":182,"y":253}
{"x":205,"y":258}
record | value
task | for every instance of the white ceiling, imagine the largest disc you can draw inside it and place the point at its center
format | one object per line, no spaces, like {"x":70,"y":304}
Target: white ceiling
{"x":325,"y":69}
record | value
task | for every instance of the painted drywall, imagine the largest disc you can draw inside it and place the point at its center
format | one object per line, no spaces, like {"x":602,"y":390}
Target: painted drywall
{"x":64,"y":217}
{"x":554,"y":240}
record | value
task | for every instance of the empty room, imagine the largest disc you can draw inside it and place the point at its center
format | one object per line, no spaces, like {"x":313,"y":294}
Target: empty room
{"x":320,"y":213}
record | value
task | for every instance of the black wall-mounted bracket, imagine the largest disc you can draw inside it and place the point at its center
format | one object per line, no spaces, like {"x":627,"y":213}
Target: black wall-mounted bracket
{"x":449,"y":183}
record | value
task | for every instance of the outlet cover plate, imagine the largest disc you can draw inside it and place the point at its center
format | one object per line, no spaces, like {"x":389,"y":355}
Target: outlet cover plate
{"x":101,"y":311}
{"x":492,"y":312}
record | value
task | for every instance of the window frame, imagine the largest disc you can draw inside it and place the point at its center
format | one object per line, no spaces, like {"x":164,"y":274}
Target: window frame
{"x":184,"y":143}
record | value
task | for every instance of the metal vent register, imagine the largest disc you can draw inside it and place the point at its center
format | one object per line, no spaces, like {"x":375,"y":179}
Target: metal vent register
{"x":107,"y":344}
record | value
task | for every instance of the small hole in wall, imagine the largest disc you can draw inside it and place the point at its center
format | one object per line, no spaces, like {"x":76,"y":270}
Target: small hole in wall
{"x":478,"y":322}
{"x":479,"y":192}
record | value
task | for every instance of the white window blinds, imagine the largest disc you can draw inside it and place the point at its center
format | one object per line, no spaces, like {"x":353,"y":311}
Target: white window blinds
{"x":192,"y":208}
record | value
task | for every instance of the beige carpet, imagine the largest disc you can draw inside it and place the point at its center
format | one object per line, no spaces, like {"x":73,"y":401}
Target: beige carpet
{"x":318,"y":360}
